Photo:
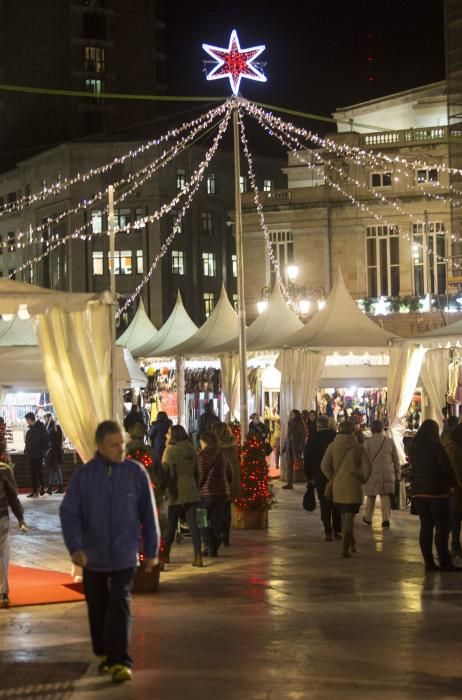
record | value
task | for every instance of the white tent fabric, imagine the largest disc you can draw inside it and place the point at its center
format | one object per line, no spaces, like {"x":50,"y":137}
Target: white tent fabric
{"x":340,"y":325}
{"x":140,"y":330}
{"x":452,"y":332}
{"x":21,"y":367}
{"x":176,"y":329}
{"x":271,"y":328}
{"x":230,"y":382}
{"x":434,"y":375}
{"x":220,"y":328}
{"x":301,"y":372}
{"x":17,"y":332}
{"x":403,"y":374}
{"x":39,"y":300}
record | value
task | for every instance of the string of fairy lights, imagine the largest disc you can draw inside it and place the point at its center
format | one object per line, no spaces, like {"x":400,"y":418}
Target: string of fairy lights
{"x":63,"y":184}
{"x":187,"y":192}
{"x":290,"y":136}
{"x":296,"y":149}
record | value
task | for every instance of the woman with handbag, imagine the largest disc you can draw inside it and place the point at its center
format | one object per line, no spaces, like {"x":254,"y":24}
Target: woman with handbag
{"x":215,"y":477}
{"x":180,"y":465}
{"x":347,"y":466}
{"x":432,"y":479}
{"x":386,"y":471}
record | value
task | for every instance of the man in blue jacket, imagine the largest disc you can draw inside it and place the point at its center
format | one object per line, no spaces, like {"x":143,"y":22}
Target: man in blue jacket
{"x":108,"y":506}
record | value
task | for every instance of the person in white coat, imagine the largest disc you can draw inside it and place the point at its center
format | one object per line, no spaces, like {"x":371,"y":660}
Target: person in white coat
{"x":386,"y":471}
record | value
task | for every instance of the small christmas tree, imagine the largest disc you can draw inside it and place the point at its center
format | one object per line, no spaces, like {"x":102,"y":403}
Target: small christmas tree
{"x":254,"y":476}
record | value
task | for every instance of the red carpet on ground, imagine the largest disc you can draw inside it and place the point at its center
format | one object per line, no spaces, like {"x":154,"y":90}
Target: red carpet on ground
{"x":41,"y":587}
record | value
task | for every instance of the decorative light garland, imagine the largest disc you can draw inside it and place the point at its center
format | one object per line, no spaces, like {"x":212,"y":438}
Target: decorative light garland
{"x":140,"y":223}
{"x":197,"y":177}
{"x":62,"y":185}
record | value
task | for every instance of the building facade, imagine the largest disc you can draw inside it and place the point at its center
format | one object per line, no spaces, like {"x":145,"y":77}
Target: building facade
{"x":72,"y":253}
{"x":91,"y":46}
{"x":388,"y":226}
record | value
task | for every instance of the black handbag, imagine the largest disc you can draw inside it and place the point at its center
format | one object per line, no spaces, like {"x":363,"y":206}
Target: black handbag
{"x":309,"y":499}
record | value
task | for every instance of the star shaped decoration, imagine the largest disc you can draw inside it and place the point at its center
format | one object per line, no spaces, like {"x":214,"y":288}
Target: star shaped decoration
{"x":235,"y":63}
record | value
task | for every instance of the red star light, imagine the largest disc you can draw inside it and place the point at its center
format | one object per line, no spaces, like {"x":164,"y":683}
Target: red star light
{"x":235,"y":63}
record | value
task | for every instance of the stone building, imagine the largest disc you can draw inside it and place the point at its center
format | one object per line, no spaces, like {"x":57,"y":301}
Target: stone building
{"x":200,"y":260}
{"x":395,"y":244}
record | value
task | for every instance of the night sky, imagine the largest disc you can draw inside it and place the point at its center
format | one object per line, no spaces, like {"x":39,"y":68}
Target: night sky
{"x":317,"y":51}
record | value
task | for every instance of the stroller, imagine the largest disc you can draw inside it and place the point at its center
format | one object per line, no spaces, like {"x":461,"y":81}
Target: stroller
{"x":182,"y":529}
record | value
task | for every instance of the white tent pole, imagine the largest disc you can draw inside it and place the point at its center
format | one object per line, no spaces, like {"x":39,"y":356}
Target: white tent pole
{"x":240,"y":281}
{"x":112,"y":287}
{"x":180,"y":390}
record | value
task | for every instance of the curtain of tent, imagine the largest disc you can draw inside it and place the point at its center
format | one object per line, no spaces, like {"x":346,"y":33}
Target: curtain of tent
{"x":434,"y":375}
{"x":403,"y":373}
{"x":76,"y":355}
{"x":230,"y":382}
{"x":301,"y":372}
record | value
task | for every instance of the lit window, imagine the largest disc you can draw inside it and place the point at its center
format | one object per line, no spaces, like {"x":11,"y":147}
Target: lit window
{"x":268,"y":186}
{"x":94,"y":59}
{"x":122,"y":217}
{"x":211,"y":184}
{"x":234,"y":265}
{"x":95,"y":86}
{"x":97,"y":221}
{"x":43,"y":184}
{"x":177,"y":226}
{"x":209,"y":303}
{"x":208,"y":263}
{"x":98,"y":262}
{"x":243,"y":183}
{"x":282,"y":247}
{"x":139,"y":262}
{"x":235,"y":302}
{"x":427,"y":175}
{"x":381,"y":179}
{"x":429,"y":258}
{"x":180,"y":178}
{"x":11,"y":241}
{"x":207,"y":223}
{"x":382,"y":261}
{"x":123,"y":264}
{"x":177,"y":262}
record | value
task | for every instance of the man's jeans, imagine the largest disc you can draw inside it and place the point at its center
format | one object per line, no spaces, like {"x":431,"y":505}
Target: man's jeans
{"x":108,"y":596}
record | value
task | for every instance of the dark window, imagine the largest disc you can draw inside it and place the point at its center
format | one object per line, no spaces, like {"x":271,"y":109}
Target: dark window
{"x":207,"y":223}
{"x":94,"y":26}
{"x":11,"y":197}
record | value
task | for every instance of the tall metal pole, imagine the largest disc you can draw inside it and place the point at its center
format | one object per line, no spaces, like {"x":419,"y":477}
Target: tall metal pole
{"x":240,"y":279}
{"x":112,"y":288}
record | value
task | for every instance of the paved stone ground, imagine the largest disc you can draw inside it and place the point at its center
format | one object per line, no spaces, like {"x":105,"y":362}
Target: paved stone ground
{"x":279,"y":616}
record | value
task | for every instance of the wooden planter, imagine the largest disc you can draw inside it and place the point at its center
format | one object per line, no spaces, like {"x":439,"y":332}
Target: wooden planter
{"x":249,"y":519}
{"x":147,"y":582}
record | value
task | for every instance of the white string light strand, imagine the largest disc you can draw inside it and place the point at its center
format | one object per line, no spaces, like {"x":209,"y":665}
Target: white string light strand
{"x":61,"y":185}
{"x":199,"y":174}
{"x":140,"y":223}
{"x":259,"y":207}
{"x":147,"y":171}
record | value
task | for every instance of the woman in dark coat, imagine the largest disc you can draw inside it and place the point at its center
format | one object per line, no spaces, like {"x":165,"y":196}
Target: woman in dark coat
{"x":158,"y":435}
{"x":432,"y":479}
{"x":215,"y":477}
{"x":227,"y":443}
{"x":55,"y":454}
{"x":294,"y":445}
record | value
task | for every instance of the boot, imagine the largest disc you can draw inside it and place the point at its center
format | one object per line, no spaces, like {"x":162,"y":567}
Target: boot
{"x":49,"y":491}
{"x":288,"y":486}
{"x":198,"y":560}
{"x":346,"y":544}
{"x":430,"y":565}
{"x":165,"y":554}
{"x":60,"y":489}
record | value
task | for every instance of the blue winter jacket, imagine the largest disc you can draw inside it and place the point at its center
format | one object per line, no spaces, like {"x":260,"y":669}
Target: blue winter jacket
{"x":107,"y":510}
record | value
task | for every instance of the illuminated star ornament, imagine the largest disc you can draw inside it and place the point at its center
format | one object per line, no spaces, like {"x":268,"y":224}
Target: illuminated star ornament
{"x":235,"y":63}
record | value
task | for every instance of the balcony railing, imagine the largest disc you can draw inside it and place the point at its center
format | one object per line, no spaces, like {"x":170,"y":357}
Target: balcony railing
{"x":404,"y":137}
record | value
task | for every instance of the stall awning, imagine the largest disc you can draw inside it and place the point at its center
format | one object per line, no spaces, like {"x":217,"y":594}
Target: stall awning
{"x":178,"y":328}
{"x":140,"y":331}
{"x":340,"y":325}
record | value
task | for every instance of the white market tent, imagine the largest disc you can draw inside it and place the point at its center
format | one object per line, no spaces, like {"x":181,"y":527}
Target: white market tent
{"x":75,"y":341}
{"x":220,"y":328}
{"x":140,"y":329}
{"x":178,"y":328}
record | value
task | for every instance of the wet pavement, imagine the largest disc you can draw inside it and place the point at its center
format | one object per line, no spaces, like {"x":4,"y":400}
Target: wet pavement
{"x":280,"y":615}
